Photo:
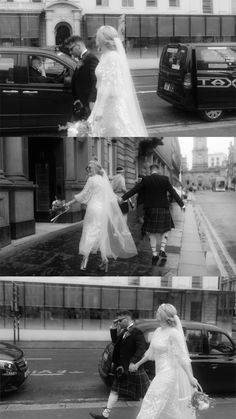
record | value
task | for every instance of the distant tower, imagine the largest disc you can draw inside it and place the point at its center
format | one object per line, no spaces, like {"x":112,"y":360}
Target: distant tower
{"x":200,"y":154}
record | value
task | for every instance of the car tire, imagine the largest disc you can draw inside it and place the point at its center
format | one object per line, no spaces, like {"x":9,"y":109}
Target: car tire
{"x":212,"y":115}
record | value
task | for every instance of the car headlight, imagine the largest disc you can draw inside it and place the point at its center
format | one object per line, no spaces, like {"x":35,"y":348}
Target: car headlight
{"x":8,"y":367}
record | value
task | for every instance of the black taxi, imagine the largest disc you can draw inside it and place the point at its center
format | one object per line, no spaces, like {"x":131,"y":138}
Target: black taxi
{"x":28,"y":104}
{"x":200,"y":76}
{"x":212,"y":351}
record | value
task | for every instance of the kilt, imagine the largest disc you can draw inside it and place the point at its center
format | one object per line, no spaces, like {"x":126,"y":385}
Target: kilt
{"x":157,"y":220}
{"x":132,"y":385}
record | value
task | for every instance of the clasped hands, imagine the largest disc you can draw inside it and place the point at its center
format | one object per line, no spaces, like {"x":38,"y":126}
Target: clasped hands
{"x":133,"y":367}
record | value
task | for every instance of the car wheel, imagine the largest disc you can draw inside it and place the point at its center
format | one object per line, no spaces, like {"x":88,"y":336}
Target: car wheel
{"x":212,"y":115}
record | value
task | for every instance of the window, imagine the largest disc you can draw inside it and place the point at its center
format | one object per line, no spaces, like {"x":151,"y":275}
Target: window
{"x":234,"y":7}
{"x":193,"y":340}
{"x":173,"y":3}
{"x":46,"y":70}
{"x":7,"y":66}
{"x":207,"y":6}
{"x":219,"y":343}
{"x":127,"y":3}
{"x":151,"y":3}
{"x":103,"y":3}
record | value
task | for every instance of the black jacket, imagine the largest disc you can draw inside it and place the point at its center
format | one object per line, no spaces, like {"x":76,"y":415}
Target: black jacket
{"x":128,"y":349}
{"x":154,"y":190}
{"x":84,"y":80}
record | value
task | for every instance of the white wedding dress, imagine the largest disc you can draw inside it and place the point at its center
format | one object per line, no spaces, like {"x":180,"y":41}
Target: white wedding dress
{"x":116,"y":103}
{"x":170,"y":392}
{"x":104,"y":227}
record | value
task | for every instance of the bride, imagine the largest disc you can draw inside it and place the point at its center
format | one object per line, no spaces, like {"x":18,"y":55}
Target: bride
{"x":170,"y":391}
{"x":116,"y":112}
{"x":104,"y":227}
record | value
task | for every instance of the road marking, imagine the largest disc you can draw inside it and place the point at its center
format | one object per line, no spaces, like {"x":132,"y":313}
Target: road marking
{"x":39,"y":359}
{"x":145,"y":91}
{"x":82,"y":404}
{"x":49,"y":373}
{"x":186,"y":125}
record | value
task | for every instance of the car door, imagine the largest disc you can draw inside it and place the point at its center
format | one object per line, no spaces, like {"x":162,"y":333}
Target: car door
{"x":221,"y":367}
{"x":216,"y":77}
{"x":46,"y":104}
{"x":9,"y":92}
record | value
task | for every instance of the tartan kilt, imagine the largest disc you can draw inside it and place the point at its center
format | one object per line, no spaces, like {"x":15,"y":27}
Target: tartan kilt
{"x":157,"y":220}
{"x":132,"y":385}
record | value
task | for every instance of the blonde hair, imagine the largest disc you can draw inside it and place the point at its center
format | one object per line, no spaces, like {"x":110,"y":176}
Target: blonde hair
{"x":97,"y":168}
{"x":167,"y":313}
{"x":106,"y":35}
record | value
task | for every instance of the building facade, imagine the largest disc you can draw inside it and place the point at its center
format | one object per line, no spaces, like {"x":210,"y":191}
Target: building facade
{"x":81,"y":311}
{"x":145,"y":25}
{"x":231,"y":172}
{"x":34,"y":170}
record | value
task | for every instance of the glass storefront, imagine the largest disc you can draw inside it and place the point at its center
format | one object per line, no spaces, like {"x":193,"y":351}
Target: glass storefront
{"x":146,"y":35}
{"x":20,"y":30}
{"x":82,"y":307}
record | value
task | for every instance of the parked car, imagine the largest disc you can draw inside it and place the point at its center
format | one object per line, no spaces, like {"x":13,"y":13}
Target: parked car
{"x":28,"y":105}
{"x":212,"y":351}
{"x":13,"y":367}
{"x":199,"y":76}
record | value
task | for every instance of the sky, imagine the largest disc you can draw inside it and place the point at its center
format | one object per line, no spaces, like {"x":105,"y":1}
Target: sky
{"x":214,"y":144}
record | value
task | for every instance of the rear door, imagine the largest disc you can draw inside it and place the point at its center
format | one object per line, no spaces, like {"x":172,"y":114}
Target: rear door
{"x":46,"y":104}
{"x":216,"y":77}
{"x":9,"y":92}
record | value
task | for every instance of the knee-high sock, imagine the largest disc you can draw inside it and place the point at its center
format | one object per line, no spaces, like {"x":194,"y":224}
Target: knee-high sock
{"x":112,"y":399}
{"x":153,"y":243}
{"x":164,"y":240}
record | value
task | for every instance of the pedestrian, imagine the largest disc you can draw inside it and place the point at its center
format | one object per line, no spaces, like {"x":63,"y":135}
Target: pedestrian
{"x":170,"y":391}
{"x":104,"y":227}
{"x":157,"y":217}
{"x":119,"y":188}
{"x":84,"y":80}
{"x":129,"y":347}
{"x":139,"y":205}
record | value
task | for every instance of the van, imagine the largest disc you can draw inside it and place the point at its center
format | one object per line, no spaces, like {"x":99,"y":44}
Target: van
{"x":199,"y":76}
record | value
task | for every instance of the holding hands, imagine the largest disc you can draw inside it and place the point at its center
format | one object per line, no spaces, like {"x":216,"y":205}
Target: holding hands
{"x":133,"y":367}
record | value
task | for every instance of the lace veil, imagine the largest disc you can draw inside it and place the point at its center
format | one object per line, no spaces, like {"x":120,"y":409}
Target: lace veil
{"x":134,"y":107}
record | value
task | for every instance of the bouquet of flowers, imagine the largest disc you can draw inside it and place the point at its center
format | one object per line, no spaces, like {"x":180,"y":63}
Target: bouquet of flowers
{"x":200,"y":400}
{"x":76,"y":129}
{"x":59,"y":207}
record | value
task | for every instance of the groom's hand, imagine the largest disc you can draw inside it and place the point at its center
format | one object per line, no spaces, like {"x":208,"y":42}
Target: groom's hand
{"x":91,"y":105}
{"x":132,"y":367}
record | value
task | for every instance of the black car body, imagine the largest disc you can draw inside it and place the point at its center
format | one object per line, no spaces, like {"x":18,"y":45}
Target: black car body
{"x":200,"y":76}
{"x":13,"y":367}
{"x":27,"y":106}
{"x":212,"y":351}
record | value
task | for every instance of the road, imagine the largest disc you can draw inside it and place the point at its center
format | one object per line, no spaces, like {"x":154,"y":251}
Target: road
{"x":217,"y":214}
{"x":67,"y":379}
{"x":162,"y":118}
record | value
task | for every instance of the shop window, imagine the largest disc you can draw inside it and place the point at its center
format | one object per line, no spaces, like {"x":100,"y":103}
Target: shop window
{"x":207,"y":6}
{"x":228,"y":25}
{"x":181,"y":24}
{"x":174,"y":3}
{"x":165,"y":26}
{"x":197,"y":26}
{"x":151,"y":3}
{"x":104,"y":3}
{"x":127,"y":3}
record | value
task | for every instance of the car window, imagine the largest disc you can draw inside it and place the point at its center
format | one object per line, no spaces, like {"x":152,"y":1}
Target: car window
{"x":219,"y":343}
{"x":194,"y":340}
{"x":219,"y":57}
{"x":174,"y":58}
{"x":7,"y":68}
{"x":46,"y":70}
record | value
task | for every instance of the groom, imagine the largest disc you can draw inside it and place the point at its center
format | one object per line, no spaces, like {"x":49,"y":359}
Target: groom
{"x":129,"y":348}
{"x":84,"y":79}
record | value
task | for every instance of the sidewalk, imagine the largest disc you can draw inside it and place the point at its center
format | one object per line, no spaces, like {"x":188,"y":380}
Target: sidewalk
{"x":53,"y":251}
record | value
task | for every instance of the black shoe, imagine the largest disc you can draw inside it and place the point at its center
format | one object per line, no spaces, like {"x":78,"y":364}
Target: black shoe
{"x":162,"y":254}
{"x":96,"y":416}
{"x":155,"y":260}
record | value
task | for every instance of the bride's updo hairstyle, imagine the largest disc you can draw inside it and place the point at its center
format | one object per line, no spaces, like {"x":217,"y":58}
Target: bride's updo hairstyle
{"x":94,"y":168}
{"x":105,"y":36}
{"x":167,"y":313}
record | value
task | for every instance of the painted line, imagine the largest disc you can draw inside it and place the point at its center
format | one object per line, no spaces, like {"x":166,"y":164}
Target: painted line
{"x":83,"y":404}
{"x":219,"y":242}
{"x":145,"y":91}
{"x":39,"y":359}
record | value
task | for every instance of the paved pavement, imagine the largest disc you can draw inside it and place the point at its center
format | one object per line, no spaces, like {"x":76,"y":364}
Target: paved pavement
{"x":53,"y":251}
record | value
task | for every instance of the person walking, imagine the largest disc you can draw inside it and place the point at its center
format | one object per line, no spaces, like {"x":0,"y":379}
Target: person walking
{"x":119,"y":188}
{"x":84,"y":79}
{"x":157,"y":216}
{"x":170,"y":392}
{"x":129,"y":348}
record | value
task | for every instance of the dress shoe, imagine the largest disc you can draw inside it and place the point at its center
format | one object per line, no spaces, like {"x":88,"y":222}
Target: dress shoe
{"x":96,"y":416}
{"x":162,"y":254}
{"x":155,"y":260}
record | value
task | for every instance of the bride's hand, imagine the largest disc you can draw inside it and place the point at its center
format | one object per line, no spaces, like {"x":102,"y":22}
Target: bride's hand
{"x":194,"y":382}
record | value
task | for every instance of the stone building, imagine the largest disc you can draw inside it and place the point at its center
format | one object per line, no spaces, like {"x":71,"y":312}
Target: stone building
{"x":34,"y":170}
{"x":231,"y":171}
{"x":146,"y":25}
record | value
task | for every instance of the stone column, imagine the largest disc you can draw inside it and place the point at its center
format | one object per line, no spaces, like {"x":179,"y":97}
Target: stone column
{"x":50,"y":34}
{"x":77,"y":22}
{"x":5,"y":187}
{"x":21,"y":202}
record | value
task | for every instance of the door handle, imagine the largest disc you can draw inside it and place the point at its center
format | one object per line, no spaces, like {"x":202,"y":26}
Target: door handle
{"x":214,"y":366}
{"x":30,"y":92}
{"x":10,"y":91}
